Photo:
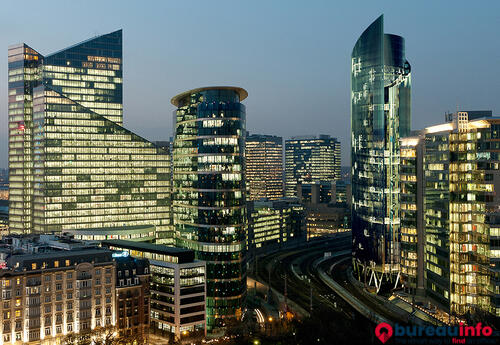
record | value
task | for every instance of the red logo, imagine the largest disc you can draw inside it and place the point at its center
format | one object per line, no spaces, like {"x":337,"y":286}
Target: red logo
{"x":383,"y":331}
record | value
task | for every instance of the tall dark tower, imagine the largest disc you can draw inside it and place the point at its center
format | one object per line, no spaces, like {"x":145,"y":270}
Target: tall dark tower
{"x":209,"y":203}
{"x":380,"y":115}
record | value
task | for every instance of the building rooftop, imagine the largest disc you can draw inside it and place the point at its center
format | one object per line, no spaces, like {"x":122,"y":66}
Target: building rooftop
{"x":242,"y":92}
{"x":312,"y":137}
{"x":183,"y":255}
{"x":130,"y":263}
{"x":45,"y":260}
{"x":256,"y":136}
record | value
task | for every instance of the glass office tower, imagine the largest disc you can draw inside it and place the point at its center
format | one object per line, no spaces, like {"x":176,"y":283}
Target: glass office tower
{"x":450,"y":215}
{"x":310,"y":159}
{"x":437,"y":212}
{"x":474,"y":215}
{"x":24,"y":73}
{"x":72,"y":165}
{"x":209,"y":202}
{"x":380,"y":115}
{"x":264,"y":158}
{"x":412,"y":213}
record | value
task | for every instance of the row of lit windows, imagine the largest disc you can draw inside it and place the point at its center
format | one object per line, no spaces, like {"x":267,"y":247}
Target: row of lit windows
{"x":479,"y":248}
{"x":103,"y":218}
{"x":85,"y":91}
{"x":214,"y":159}
{"x":93,"y":177}
{"x":77,"y":136}
{"x":104,"y":59}
{"x":96,"y":204}
{"x":214,"y":248}
{"x":20,"y":77}
{"x":160,"y":224}
{"x":74,"y":70}
{"x":103,"y":211}
{"x":233,"y":141}
{"x":135,"y":193}
{"x":64,"y":148}
{"x":85,"y":77}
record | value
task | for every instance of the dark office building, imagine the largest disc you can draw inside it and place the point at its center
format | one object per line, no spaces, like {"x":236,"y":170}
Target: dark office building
{"x":380,"y":115}
{"x":209,"y":201}
{"x":321,"y":192}
{"x":310,"y":159}
{"x":276,"y":224}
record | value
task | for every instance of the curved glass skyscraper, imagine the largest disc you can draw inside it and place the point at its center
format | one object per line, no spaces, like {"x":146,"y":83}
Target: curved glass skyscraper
{"x":209,"y":203}
{"x":380,"y":115}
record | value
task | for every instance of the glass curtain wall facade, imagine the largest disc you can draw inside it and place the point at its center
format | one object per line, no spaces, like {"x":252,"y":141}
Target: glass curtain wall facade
{"x":437,"y":213}
{"x":74,"y":166}
{"x":449,"y":177}
{"x":474,"y":178}
{"x":412,"y":233}
{"x":264,"y":158}
{"x":209,"y":201}
{"x":274,"y":224}
{"x":90,"y":73}
{"x":380,"y":115}
{"x":310,"y":159}
{"x":24,"y":73}
{"x":91,"y":173}
{"x":461,"y":214}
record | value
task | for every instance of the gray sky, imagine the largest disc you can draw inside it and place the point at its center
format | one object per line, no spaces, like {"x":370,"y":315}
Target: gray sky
{"x":293,"y":57}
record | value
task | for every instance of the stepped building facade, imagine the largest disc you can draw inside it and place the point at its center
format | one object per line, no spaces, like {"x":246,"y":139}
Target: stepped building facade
{"x":72,"y":164}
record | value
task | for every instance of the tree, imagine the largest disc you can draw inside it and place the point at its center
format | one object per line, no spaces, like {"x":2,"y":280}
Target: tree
{"x":103,"y":336}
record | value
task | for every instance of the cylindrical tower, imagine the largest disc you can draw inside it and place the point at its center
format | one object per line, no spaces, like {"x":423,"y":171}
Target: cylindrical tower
{"x":209,"y":204}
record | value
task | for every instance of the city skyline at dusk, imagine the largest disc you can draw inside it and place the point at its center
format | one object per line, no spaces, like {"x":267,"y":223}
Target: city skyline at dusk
{"x":259,"y":173}
{"x":292,"y":60}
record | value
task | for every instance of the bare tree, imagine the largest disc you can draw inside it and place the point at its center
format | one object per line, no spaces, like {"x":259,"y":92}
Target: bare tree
{"x":103,"y":336}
